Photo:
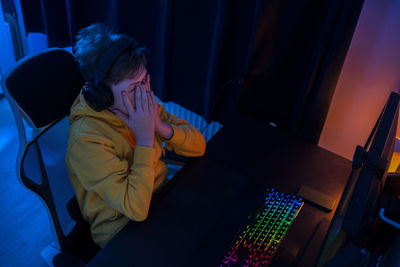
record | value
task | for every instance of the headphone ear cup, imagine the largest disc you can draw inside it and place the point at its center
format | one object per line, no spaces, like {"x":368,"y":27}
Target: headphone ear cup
{"x":106,"y":95}
{"x":98,"y":97}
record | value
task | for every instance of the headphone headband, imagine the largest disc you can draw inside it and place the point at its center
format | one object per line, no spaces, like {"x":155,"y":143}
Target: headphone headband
{"x":108,"y":58}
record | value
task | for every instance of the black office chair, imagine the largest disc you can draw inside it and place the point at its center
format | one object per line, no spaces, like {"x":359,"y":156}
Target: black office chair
{"x":40,"y":90}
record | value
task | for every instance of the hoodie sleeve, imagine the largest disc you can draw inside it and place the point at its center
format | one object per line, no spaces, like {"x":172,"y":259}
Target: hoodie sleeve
{"x":126,"y":189}
{"x":187,"y":140}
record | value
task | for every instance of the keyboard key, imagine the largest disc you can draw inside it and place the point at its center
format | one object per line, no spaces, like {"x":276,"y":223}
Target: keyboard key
{"x":259,"y":239}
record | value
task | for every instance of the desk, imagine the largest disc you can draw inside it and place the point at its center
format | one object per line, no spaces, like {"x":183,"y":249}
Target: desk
{"x":193,"y":219}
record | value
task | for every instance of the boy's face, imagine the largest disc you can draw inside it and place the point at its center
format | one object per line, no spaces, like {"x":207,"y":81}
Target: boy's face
{"x":129,"y":85}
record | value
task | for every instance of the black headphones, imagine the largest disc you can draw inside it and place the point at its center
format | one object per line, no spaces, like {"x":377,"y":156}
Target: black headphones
{"x":97,"y":94}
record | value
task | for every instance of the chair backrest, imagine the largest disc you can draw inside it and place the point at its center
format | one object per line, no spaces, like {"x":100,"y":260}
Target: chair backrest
{"x":43,"y":86}
{"x":40,"y":90}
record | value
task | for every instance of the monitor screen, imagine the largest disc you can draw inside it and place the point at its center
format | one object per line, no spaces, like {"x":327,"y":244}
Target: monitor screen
{"x":360,"y":202}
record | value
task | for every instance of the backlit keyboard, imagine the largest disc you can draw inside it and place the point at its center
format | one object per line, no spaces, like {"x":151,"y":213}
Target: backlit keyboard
{"x":256,"y":242}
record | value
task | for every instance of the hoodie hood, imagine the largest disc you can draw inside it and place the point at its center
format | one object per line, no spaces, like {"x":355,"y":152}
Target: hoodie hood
{"x":81,"y":109}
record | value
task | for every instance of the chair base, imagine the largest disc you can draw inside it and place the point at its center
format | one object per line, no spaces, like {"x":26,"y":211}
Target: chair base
{"x":49,"y":252}
{"x":55,"y":258}
{"x":67,"y":260}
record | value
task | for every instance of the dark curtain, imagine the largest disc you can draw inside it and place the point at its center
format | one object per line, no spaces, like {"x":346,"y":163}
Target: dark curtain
{"x":200,"y":51}
{"x":194,"y":46}
{"x":298,"y":52}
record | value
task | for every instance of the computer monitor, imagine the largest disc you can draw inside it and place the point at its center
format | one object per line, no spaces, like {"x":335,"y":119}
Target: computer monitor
{"x":359,"y":206}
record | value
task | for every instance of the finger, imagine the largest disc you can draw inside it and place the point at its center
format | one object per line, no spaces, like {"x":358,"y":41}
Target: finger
{"x":138,"y":98}
{"x":150,"y":102}
{"x":127,"y":102}
{"x":145,"y":105}
{"x":153,"y":97}
{"x":132,"y":97}
{"x":147,"y":82}
{"x":145,"y":100}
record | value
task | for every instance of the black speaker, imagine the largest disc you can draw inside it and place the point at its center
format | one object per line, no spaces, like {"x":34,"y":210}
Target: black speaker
{"x":98,"y":96}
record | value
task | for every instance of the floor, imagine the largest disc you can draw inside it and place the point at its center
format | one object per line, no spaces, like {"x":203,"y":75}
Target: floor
{"x":25,"y":228}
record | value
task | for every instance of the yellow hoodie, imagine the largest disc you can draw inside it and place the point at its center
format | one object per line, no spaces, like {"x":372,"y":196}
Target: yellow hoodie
{"x":112,"y":177}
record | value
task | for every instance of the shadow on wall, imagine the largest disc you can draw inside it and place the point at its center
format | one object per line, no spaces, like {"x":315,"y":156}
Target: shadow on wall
{"x":370,"y":72}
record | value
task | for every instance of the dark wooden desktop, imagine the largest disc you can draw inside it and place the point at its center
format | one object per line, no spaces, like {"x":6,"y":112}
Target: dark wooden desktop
{"x":193,"y":219}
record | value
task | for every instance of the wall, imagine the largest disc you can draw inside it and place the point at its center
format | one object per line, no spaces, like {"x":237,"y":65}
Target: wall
{"x":7,"y":58}
{"x":370,"y":72}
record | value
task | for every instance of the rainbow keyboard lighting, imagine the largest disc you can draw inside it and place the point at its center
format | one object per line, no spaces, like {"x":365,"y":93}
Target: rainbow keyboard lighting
{"x":258,"y":240}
